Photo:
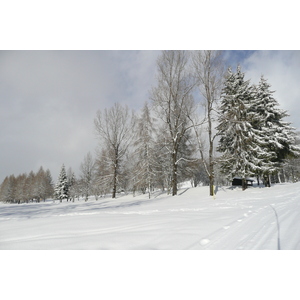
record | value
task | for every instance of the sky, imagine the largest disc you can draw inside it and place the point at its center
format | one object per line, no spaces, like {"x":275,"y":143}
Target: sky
{"x":49,"y":99}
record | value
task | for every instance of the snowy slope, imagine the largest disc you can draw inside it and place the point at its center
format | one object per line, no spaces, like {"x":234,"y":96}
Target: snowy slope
{"x":258,"y":218}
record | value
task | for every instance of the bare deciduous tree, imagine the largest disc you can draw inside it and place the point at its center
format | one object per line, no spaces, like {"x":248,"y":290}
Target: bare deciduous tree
{"x":104,"y":172}
{"x":144,"y":152}
{"x":87,"y":173}
{"x":115,"y":126}
{"x":173,"y":101}
{"x":209,"y":70}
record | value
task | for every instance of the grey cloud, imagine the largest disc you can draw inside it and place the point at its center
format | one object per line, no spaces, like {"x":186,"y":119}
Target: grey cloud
{"x":48,"y":100}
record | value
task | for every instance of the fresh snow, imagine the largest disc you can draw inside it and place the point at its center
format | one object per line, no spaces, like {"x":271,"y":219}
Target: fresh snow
{"x":258,"y":218}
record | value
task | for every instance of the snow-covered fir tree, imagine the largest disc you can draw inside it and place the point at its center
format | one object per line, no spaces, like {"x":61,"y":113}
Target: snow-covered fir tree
{"x":61,"y":191}
{"x":291,"y":169}
{"x":239,"y":143}
{"x":255,"y":139}
{"x":277,"y":136}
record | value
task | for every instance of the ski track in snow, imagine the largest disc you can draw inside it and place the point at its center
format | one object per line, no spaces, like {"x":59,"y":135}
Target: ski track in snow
{"x":259,"y":218}
{"x":258,"y":230}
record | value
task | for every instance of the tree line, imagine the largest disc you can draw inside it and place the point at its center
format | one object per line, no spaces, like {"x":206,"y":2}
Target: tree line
{"x":27,"y":188}
{"x":200,"y":123}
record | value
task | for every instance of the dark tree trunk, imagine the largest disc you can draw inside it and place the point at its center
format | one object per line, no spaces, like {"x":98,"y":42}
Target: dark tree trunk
{"x":211,"y":142}
{"x":211,"y":186}
{"x":114,"y":183}
{"x":267,"y":181}
{"x":174,"y":175}
{"x":244,"y":184}
{"x":115,"y":174}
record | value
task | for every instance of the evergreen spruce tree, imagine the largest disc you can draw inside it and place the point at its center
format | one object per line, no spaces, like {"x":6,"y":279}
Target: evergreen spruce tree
{"x":239,"y":143}
{"x":277,"y":136}
{"x":61,"y":188}
{"x":255,"y":139}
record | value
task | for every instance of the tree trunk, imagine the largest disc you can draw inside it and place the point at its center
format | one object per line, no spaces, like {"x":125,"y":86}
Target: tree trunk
{"x":244,"y":185}
{"x":115,"y":174}
{"x":149,"y":188}
{"x":114,"y":183}
{"x":211,"y":186}
{"x":211,"y":167}
{"x":267,"y":181}
{"x":148,"y":174}
{"x":209,"y":67}
{"x":174,"y":175}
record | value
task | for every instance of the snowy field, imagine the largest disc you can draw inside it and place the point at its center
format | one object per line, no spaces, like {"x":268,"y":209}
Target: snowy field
{"x":258,"y":218}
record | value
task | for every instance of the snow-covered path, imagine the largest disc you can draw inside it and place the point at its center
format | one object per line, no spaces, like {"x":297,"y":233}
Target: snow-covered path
{"x":260,"y":229}
{"x":258,"y":218}
{"x":270,"y":219}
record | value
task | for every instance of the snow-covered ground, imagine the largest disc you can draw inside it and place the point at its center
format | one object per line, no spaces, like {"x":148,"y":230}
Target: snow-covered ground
{"x":258,"y":218}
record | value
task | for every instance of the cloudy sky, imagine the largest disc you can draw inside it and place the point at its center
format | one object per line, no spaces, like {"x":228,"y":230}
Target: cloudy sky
{"x":48,"y":99}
